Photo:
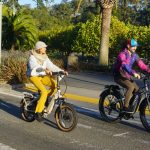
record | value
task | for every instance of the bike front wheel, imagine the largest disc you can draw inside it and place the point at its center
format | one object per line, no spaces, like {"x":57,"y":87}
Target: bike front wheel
{"x":66,"y":117}
{"x":110,"y":106}
{"x":145,"y":115}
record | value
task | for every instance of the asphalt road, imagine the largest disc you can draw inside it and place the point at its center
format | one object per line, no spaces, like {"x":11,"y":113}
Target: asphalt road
{"x":91,"y":133}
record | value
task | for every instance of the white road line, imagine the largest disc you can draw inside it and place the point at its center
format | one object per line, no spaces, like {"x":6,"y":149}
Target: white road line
{"x":4,"y":105}
{"x":144,"y":142}
{"x":9,"y":94}
{"x":5,"y":147}
{"x":91,"y":109}
{"x":74,"y":141}
{"x":84,"y":126}
{"x":121,"y":134}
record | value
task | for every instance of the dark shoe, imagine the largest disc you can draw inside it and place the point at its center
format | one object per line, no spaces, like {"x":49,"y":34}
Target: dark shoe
{"x":39,"y":117}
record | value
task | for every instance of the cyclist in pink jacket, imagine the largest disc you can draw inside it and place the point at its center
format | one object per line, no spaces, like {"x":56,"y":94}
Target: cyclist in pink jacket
{"x":123,"y":70}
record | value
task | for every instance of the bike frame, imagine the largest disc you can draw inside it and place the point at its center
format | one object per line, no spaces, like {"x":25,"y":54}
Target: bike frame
{"x":57,"y":96}
{"x":144,"y":91}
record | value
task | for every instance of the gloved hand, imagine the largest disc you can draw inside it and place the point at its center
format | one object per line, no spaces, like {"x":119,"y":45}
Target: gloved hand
{"x":136,"y":75}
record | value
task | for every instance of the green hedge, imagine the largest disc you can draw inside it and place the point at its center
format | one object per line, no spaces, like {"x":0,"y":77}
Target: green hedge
{"x":88,"y":37}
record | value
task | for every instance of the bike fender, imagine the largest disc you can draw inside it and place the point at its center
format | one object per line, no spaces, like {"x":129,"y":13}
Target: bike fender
{"x":110,"y":89}
{"x":22,"y":101}
{"x":57,"y":109}
{"x":103,"y":93}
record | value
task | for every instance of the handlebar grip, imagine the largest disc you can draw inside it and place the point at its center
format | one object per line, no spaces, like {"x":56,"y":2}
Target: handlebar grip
{"x":145,"y":75}
{"x":58,"y":73}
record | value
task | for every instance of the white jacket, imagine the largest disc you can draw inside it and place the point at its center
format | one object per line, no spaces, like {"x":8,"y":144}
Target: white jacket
{"x":35,"y":69}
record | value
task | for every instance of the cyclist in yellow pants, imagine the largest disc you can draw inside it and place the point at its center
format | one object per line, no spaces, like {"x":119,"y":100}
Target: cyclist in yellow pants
{"x":40,"y":83}
{"x":39,"y":71}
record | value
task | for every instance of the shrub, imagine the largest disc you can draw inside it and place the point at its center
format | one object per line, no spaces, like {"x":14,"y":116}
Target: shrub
{"x":88,"y":40}
{"x":13,"y":67}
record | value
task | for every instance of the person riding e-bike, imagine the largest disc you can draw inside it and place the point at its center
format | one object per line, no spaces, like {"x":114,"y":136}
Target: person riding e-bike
{"x":39,"y":71}
{"x":123,"y":70}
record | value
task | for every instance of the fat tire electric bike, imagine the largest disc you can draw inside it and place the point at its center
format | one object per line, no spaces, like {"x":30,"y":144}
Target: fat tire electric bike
{"x":112,"y":101}
{"x":65,"y":114}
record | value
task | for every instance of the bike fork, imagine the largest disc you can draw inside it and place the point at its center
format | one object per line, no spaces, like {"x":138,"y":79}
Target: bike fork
{"x":50,"y":105}
{"x":148,"y":101}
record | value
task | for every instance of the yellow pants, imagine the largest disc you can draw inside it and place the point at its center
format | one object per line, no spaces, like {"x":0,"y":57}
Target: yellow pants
{"x":40,"y":83}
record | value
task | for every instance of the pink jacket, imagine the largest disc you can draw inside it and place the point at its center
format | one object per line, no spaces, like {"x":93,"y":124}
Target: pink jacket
{"x":124,"y":64}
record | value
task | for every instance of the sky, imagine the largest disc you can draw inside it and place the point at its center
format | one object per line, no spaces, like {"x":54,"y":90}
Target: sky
{"x":32,"y":3}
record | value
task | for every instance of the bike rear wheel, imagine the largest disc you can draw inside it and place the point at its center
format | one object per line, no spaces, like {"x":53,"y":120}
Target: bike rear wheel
{"x":110,"y":106}
{"x":145,"y":115}
{"x":66,"y":117}
{"x":27,"y":110}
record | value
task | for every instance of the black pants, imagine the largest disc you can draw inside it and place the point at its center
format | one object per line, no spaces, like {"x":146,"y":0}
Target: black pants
{"x":129,"y":85}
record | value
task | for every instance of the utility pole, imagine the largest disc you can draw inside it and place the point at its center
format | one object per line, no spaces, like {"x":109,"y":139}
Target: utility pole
{"x":1,"y":3}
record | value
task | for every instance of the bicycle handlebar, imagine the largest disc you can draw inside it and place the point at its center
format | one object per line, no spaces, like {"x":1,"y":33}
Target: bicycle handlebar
{"x":145,"y":75}
{"x":58,"y":73}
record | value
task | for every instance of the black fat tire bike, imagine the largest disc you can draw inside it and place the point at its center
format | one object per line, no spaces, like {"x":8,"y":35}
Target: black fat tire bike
{"x":112,"y":100}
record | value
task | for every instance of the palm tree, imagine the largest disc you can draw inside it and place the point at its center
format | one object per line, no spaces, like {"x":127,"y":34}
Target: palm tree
{"x":18,"y":31}
{"x":106,"y":8}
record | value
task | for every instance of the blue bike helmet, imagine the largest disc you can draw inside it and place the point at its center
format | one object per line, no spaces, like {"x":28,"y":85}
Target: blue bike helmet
{"x":133,"y":43}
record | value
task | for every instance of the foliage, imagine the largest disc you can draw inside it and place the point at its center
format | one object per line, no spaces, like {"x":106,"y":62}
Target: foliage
{"x":19,"y":31}
{"x":55,"y":27}
{"x":43,"y":3}
{"x":62,"y":12}
{"x":13,"y":67}
{"x":121,"y":32}
{"x":142,"y":34}
{"x":133,"y":11}
{"x":59,"y":40}
{"x":118,"y":35}
{"x":43,"y":19}
{"x":88,"y":39}
{"x":64,"y":39}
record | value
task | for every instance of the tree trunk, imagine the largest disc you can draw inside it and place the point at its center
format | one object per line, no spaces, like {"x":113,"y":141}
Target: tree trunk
{"x":104,"y":44}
